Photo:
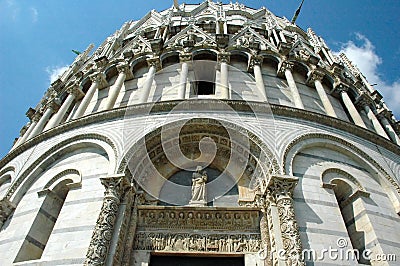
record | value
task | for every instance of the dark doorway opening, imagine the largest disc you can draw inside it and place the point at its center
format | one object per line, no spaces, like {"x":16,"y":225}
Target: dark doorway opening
{"x":195,"y":261}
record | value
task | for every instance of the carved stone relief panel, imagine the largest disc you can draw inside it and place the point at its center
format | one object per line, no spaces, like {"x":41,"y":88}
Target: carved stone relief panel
{"x":198,"y":229}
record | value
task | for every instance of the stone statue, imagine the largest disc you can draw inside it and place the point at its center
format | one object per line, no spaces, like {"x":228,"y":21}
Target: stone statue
{"x":199,"y":180}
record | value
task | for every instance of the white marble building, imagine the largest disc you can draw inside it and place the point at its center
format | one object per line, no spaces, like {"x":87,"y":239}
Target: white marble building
{"x":300,"y":152}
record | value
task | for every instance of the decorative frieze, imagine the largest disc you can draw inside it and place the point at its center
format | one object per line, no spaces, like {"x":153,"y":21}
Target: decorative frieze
{"x":198,"y":242}
{"x":202,"y":219}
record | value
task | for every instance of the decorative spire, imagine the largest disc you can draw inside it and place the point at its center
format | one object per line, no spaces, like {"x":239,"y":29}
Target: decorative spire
{"x":176,"y":4}
{"x":296,"y":14}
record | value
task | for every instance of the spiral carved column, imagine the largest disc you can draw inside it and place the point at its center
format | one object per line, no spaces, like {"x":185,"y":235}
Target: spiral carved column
{"x":281,"y":189}
{"x":116,"y":186}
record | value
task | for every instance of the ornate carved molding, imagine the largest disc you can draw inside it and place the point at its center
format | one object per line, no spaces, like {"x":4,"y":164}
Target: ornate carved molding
{"x":281,"y":189}
{"x":116,"y":186}
{"x":283,"y":66}
{"x":243,"y":107}
{"x":185,"y":57}
{"x":100,"y":79}
{"x":124,"y":67}
{"x":76,"y":90}
{"x":197,"y":242}
{"x":313,"y":76}
{"x":6,"y":208}
{"x":224,"y":57}
{"x":154,"y":62}
{"x":364,"y":100}
{"x":190,"y":218}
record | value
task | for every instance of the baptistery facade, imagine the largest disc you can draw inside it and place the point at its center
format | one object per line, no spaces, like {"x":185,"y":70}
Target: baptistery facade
{"x":201,"y":134}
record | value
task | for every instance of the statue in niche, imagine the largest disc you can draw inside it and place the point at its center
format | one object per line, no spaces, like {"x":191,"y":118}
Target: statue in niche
{"x":199,"y":180}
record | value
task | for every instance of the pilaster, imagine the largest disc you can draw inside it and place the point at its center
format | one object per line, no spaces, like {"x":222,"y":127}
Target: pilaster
{"x":99,"y":247}
{"x":280,"y":188}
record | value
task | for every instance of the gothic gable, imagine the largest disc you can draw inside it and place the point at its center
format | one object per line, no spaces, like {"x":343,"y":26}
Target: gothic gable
{"x":194,"y":34}
{"x":152,"y":19}
{"x":206,"y":8}
{"x":302,"y":52}
{"x":249,"y":38}
{"x":138,"y":45}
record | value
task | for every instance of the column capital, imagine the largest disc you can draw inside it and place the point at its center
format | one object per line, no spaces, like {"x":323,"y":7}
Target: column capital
{"x":123,"y":67}
{"x":99,"y":78}
{"x":255,"y":60}
{"x":282,"y":186}
{"x":76,"y":90}
{"x":224,"y":57}
{"x":337,"y":68}
{"x":115,"y":184}
{"x":340,"y":87}
{"x":385,"y":113}
{"x":185,"y":57}
{"x":6,"y":208}
{"x":36,"y":117}
{"x":396,"y":127}
{"x":313,"y":76}
{"x":57,"y":85}
{"x":283,"y":66}
{"x":154,"y":62}
{"x":30,"y":113}
{"x":364,"y":100}
{"x":54,"y":104}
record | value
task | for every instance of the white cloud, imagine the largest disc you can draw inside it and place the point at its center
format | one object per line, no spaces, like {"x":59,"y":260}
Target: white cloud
{"x":55,"y":72}
{"x":365,"y":58}
{"x":35,"y":14}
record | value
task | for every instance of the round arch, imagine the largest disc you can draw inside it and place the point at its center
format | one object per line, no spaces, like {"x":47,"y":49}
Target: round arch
{"x":149,"y":159}
{"x":24,"y":181}
{"x":388,"y":183}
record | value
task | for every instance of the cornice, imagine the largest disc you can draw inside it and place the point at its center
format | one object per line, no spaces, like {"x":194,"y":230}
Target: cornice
{"x":242,"y":107}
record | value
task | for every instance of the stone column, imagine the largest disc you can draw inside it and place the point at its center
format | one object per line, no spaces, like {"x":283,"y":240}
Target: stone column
{"x":314,"y":79}
{"x":285,"y":69}
{"x":364,"y":102}
{"x":255,"y":63}
{"x":223,"y":59}
{"x":342,"y":90}
{"x":131,"y":232}
{"x":124,"y":72}
{"x":385,"y":116}
{"x":50,"y":108}
{"x":98,"y":82}
{"x":6,"y":208}
{"x":154,"y":64}
{"x":75,"y":93}
{"x":280,"y":188}
{"x":184,"y":58}
{"x":265,"y":230}
{"x":99,"y":247}
{"x":34,"y":121}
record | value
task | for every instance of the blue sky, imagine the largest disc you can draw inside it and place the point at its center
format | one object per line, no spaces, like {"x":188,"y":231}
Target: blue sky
{"x":36,"y":38}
